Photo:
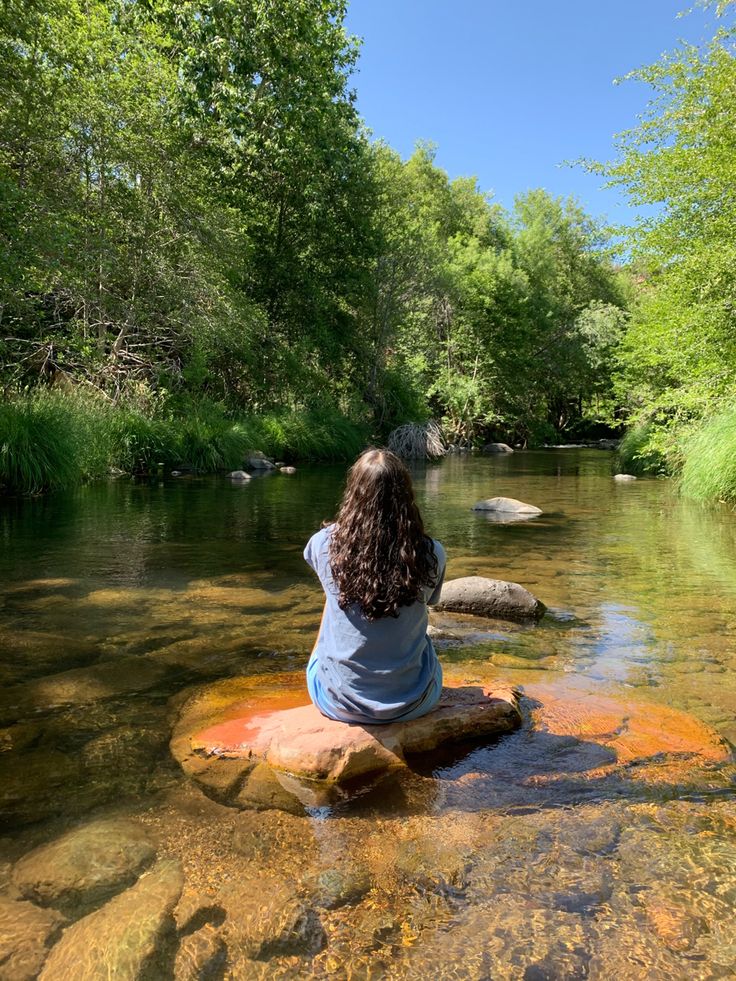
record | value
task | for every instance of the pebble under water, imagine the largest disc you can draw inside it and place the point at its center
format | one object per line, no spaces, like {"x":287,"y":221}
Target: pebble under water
{"x":564,"y":850}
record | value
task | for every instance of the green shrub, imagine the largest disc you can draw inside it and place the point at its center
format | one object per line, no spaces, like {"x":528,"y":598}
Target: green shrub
{"x":709,"y":468}
{"x":638,"y":452}
{"x":309,"y":436}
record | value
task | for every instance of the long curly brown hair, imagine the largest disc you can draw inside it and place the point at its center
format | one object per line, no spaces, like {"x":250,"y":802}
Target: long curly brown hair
{"x":379,"y":553}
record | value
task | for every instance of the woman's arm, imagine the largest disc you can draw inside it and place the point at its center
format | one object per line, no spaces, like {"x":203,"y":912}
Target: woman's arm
{"x":441,"y":564}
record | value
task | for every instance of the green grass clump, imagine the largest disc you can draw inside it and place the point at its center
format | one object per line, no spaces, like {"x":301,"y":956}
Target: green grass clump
{"x":709,"y":468}
{"x":638,"y":454}
{"x":50,"y":440}
{"x":38,"y":446}
{"x":310,"y":436}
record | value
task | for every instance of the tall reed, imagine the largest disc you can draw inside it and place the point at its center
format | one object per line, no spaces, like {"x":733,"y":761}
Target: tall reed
{"x":709,"y":469}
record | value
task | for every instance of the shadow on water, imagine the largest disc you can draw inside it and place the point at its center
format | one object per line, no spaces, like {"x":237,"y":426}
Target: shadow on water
{"x":523,"y":772}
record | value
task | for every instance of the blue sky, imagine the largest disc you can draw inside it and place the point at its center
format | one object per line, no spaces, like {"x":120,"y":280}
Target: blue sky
{"x":509,"y":90}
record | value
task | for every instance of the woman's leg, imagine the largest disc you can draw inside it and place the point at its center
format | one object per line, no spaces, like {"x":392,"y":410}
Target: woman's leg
{"x":317,"y":694}
{"x":429,"y":700}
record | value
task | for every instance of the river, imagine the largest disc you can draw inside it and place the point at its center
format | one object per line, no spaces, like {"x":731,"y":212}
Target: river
{"x":498,"y":861}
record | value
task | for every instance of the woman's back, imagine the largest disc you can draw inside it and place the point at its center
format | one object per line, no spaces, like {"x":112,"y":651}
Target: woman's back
{"x":373,"y":661}
{"x":371,"y":670}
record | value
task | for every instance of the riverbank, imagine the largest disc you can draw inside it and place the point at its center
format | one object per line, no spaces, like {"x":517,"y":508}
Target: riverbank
{"x":54,"y":440}
{"x":701,"y":456}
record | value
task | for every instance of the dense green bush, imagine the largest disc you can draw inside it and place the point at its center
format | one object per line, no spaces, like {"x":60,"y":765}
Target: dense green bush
{"x":638,"y":454}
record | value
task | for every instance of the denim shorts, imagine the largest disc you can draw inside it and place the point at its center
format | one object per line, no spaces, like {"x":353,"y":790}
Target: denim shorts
{"x":319,"y":697}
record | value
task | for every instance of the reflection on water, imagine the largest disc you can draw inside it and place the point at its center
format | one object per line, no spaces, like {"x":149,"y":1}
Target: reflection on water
{"x":504,"y":860}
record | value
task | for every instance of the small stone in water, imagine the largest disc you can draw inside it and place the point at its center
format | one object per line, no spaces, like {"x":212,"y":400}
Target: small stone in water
{"x":339,"y":886}
{"x":201,"y":955}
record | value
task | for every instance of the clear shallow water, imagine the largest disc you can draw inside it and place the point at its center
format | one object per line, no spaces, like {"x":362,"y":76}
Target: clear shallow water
{"x":502,"y":861}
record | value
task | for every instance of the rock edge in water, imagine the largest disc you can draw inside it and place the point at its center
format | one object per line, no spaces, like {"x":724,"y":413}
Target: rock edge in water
{"x":302,"y":742}
{"x":490,"y":598}
{"x":506,"y":505}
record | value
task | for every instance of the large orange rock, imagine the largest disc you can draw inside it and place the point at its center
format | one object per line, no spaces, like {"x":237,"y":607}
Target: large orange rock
{"x":301,"y":741}
{"x":249,"y":742}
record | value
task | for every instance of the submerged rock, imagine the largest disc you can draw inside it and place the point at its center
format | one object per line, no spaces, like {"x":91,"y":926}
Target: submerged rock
{"x":304,"y":743}
{"x":339,"y":886}
{"x":26,"y":933}
{"x":86,"y":866}
{"x":33,"y":786}
{"x":265,"y":919}
{"x":287,"y":469}
{"x":671,"y":917}
{"x":490,"y":598}
{"x":437,"y":865}
{"x":263,"y":792}
{"x":102,"y":681}
{"x":506,"y":505}
{"x":201,"y":956}
{"x":497,"y":448}
{"x":624,"y":478}
{"x":446,"y":638}
{"x":123,"y":939}
{"x":26,"y":654}
{"x":121,"y":759}
{"x":239,"y":475}
{"x":20,"y":736}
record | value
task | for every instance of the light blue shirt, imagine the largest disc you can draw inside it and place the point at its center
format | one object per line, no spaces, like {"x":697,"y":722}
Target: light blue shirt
{"x":372,"y":670}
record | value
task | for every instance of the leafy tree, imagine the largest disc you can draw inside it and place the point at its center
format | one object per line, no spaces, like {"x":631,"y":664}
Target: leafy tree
{"x":679,"y":354}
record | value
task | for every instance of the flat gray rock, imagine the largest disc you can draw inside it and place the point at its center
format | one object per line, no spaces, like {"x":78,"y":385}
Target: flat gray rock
{"x":497,"y":448}
{"x":490,"y":598}
{"x":624,"y":478}
{"x":259,"y":462}
{"x":507,"y":505}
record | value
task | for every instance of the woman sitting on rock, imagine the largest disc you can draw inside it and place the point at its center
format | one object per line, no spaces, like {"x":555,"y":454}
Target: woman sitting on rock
{"x":373,"y":661}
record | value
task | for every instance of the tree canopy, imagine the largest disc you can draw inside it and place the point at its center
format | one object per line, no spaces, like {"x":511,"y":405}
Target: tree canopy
{"x":190,"y":206}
